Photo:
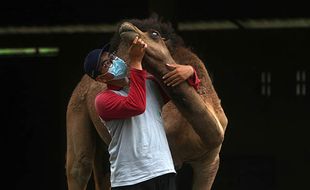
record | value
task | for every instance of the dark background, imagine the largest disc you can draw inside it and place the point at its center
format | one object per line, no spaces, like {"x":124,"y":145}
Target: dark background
{"x":266,"y":144}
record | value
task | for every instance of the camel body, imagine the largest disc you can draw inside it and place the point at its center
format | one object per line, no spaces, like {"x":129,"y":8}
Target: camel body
{"x":194,"y":120}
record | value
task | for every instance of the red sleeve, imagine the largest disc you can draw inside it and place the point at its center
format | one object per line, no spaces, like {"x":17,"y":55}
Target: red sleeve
{"x":110,"y":105}
{"x":193,"y":80}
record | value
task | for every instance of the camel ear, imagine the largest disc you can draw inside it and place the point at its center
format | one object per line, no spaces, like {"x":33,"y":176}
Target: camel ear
{"x":154,"y":15}
{"x":168,"y":42}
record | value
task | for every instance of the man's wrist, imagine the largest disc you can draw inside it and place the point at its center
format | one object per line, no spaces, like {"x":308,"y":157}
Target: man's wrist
{"x":192,"y":70}
{"x":136,"y":65}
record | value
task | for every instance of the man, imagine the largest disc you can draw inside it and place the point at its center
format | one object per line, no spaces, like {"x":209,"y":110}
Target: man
{"x":131,"y":109}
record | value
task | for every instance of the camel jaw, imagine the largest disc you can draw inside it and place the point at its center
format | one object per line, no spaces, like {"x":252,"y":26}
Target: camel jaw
{"x":127,"y":31}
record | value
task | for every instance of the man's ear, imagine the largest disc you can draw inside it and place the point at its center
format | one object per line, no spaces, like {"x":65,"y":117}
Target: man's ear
{"x":104,"y":77}
{"x":100,"y":79}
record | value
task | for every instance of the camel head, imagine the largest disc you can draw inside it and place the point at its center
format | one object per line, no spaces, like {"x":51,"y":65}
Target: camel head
{"x":160,"y":38}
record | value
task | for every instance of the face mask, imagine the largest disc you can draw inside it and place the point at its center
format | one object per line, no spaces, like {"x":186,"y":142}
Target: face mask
{"x":118,"y":68}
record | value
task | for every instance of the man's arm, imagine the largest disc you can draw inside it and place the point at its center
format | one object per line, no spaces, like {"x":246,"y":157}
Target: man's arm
{"x":110,"y":105}
{"x":180,"y":73}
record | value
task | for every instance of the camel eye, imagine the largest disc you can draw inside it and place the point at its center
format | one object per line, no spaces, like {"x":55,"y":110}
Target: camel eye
{"x":154,"y":34}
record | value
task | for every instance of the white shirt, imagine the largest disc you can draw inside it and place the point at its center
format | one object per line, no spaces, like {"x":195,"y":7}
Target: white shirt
{"x":139,"y":149}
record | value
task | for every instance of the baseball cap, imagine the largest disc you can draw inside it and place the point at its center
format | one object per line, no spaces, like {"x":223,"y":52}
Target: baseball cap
{"x":92,"y":61}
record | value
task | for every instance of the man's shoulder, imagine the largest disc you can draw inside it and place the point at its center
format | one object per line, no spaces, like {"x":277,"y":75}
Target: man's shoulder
{"x":104,"y":93}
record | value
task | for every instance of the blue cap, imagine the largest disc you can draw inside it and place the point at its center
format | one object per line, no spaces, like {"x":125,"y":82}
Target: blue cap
{"x":92,"y":60}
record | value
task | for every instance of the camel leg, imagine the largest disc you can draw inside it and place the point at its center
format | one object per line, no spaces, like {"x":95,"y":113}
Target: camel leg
{"x":101,"y":168}
{"x":204,"y":173}
{"x":80,"y":149}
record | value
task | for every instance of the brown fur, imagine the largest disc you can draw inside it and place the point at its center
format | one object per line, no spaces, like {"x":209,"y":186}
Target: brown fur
{"x":195,"y":122}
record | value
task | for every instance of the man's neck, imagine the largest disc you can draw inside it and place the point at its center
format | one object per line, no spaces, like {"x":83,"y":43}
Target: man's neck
{"x":118,"y":84}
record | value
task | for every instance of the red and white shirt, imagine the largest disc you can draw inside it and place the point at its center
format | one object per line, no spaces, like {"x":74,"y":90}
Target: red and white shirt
{"x":139,"y":149}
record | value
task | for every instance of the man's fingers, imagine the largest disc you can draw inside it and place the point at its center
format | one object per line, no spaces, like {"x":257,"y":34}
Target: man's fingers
{"x":174,"y":82}
{"x":138,"y":44}
{"x":170,"y":79}
{"x":138,"y":41}
{"x":177,"y":83}
{"x":143,"y":44}
{"x":171,"y":67}
{"x":169,"y":74}
{"x":135,"y":40}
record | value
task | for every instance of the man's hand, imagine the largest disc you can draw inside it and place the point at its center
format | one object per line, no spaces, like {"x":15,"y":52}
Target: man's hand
{"x":136,"y":53}
{"x":177,"y":74}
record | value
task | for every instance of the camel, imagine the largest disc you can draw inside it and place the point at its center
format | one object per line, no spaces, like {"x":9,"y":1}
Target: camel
{"x":194,"y":120}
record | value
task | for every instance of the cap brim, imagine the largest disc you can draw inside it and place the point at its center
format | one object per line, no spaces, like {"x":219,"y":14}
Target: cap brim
{"x":104,"y":49}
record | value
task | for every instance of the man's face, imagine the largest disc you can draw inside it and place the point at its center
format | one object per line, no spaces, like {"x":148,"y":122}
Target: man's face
{"x":112,"y":68}
{"x":104,"y":65}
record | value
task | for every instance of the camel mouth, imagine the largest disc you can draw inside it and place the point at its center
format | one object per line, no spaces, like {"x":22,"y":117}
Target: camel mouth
{"x":127,"y":30}
{"x":126,"y":27}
